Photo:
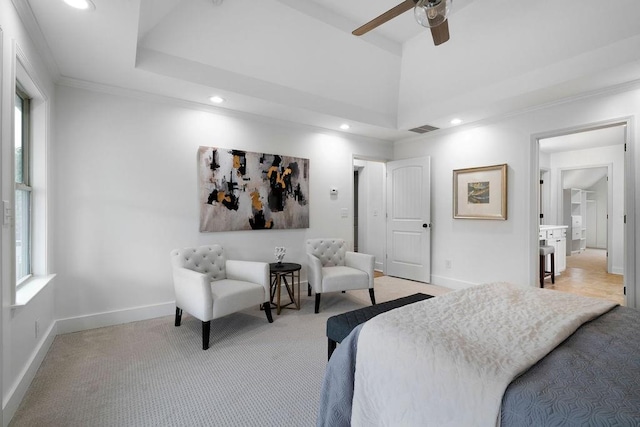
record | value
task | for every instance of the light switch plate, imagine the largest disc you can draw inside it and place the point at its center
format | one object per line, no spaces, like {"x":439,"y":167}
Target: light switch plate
{"x":6,"y":213}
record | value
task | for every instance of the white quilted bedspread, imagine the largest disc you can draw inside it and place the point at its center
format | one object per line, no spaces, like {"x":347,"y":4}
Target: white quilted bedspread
{"x":447,"y":361}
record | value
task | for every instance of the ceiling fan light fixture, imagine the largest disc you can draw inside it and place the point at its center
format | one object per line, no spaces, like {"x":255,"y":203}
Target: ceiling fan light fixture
{"x":431,"y":13}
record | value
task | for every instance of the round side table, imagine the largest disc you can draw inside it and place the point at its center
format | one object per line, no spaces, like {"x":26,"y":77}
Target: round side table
{"x":280,"y":271}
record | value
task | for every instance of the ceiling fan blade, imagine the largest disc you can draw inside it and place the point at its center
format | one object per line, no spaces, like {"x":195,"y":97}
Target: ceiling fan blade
{"x":440,"y":33}
{"x":388,"y":15}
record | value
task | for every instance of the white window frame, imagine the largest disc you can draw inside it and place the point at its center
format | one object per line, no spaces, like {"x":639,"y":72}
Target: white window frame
{"x":25,"y":184}
{"x":25,"y":76}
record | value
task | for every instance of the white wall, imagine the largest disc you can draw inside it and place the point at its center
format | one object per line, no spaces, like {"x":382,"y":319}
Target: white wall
{"x":20,"y":347}
{"x":487,"y":251}
{"x":126,"y":195}
{"x":480,"y":251}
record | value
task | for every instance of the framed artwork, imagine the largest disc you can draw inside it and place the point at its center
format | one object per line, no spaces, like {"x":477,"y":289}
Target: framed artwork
{"x":480,"y":193}
{"x":243,"y":190}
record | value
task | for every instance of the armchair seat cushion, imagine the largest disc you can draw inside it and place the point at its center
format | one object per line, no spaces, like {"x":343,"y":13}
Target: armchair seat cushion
{"x":342,"y":278}
{"x":230,"y":296}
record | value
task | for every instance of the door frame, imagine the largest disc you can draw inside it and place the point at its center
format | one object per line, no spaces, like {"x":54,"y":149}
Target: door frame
{"x":630,"y":256}
{"x":545,"y":195}
{"x":4,"y":234}
{"x":383,"y":162}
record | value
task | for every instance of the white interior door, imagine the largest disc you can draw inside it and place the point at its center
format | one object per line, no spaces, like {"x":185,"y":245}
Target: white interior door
{"x":409,"y":219}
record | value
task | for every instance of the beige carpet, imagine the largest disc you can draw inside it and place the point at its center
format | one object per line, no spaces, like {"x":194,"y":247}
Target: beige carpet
{"x":151,"y":373}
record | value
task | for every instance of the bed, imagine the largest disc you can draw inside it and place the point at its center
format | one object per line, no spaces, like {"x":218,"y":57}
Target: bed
{"x":567,"y":360}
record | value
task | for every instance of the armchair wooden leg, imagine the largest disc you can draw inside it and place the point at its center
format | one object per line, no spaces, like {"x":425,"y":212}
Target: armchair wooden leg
{"x":267,"y":311}
{"x":308,"y":289}
{"x":373,"y":296}
{"x":317,"y":302}
{"x":206,"y":328}
{"x":178,"y":316}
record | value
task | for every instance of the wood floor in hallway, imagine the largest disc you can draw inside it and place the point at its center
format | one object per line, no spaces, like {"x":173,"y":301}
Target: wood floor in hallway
{"x":586,"y":274}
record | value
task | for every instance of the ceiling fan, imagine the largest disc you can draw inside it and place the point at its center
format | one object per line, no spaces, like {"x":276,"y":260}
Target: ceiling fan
{"x":429,"y":13}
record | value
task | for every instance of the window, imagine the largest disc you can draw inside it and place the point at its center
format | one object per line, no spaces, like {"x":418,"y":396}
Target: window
{"x":23,"y":188}
{"x":31,"y":112}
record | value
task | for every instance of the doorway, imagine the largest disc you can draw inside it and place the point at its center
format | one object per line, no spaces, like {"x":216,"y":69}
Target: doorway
{"x":368,"y":204}
{"x":586,"y":173}
{"x":589,"y":193}
{"x":400,"y":250}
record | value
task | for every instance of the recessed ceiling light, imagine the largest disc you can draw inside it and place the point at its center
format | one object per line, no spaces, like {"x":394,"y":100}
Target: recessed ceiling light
{"x":344,"y":126}
{"x":81,"y":4}
{"x":456,"y":121}
{"x":216,"y":99}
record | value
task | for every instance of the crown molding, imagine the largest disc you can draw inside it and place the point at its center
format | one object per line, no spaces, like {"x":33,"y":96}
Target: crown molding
{"x":35,"y":32}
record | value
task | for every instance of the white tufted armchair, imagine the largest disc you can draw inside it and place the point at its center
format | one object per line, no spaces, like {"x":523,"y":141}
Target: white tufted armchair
{"x":208,"y":286}
{"x":332,"y":268}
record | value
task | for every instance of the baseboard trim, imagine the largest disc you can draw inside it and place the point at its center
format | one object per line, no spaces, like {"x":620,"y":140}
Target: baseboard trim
{"x":454,"y":284}
{"x":19,"y":389}
{"x":117,"y":317}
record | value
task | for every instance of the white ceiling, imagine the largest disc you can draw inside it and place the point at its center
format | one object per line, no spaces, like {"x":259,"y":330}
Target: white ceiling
{"x":296,"y":60}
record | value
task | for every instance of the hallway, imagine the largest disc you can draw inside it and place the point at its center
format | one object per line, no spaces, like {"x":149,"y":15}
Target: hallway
{"x":586,"y":274}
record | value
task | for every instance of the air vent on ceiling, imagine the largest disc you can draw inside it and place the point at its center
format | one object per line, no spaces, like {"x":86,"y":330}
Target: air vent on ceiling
{"x":424,"y":129}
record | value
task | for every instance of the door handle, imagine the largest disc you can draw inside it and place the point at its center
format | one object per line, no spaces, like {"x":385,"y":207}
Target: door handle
{"x":426,"y":225}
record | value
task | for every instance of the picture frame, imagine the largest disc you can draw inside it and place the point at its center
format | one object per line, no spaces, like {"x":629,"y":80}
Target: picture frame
{"x":480,"y":193}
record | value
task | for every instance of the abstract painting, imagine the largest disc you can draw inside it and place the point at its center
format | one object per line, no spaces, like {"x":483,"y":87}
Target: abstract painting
{"x":243,"y":190}
{"x":480,"y":193}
